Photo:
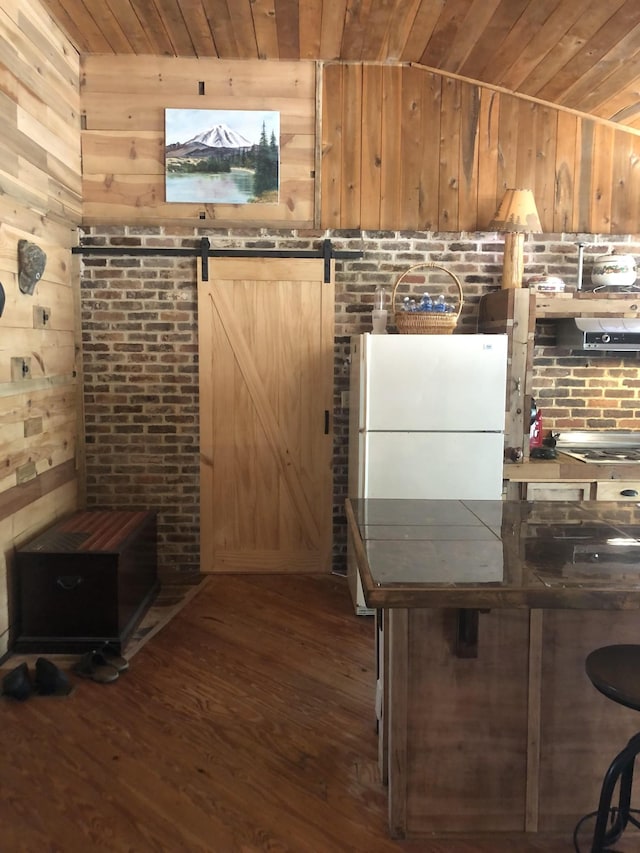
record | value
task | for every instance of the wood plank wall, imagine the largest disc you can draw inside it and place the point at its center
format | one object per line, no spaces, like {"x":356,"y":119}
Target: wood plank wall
{"x":123,"y":104}
{"x":401,"y":148}
{"x":40,"y":177}
{"x":405,"y":148}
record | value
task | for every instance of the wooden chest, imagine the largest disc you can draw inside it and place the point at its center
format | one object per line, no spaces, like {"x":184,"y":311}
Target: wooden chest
{"x":86,"y":580}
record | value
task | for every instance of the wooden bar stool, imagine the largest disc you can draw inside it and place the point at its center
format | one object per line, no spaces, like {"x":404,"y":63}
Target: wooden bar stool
{"x":615,"y":672}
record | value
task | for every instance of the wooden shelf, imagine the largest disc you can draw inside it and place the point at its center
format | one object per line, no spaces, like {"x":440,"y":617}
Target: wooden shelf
{"x":586,"y":304}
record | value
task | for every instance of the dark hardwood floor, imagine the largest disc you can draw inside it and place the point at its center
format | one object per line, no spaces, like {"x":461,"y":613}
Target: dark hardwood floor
{"x":244,"y":725}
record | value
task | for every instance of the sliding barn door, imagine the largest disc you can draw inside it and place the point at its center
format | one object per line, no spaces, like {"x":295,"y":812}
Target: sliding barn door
{"x":266,"y":396}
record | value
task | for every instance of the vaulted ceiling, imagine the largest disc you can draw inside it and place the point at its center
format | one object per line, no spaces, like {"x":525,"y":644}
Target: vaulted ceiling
{"x":579,"y":54}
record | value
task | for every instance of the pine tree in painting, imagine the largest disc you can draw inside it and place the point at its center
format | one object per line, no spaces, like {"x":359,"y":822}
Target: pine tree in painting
{"x":266,"y":174}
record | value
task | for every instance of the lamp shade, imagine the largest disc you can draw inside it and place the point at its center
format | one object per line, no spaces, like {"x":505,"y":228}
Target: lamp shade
{"x":517,"y":212}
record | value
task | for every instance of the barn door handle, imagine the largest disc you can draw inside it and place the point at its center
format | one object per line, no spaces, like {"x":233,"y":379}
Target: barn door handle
{"x":68,"y":582}
{"x":629,"y":493}
{"x":326,"y":421}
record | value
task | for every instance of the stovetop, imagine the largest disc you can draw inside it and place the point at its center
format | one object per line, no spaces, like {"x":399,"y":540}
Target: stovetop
{"x":600,"y":446}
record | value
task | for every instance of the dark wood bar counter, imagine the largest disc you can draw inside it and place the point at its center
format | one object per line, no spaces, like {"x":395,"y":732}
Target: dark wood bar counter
{"x":485,"y":612}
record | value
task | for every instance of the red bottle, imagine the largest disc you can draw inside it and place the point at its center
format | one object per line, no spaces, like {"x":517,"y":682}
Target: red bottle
{"x":535,"y":430}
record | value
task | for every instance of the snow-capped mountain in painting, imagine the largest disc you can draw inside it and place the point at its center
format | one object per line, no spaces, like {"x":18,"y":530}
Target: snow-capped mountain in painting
{"x":221,"y":136}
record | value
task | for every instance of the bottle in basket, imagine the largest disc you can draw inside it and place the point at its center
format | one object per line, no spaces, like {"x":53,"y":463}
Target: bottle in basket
{"x":430,"y":315}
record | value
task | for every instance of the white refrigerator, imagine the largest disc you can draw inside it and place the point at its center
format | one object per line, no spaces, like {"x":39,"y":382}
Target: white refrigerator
{"x":426,"y":420}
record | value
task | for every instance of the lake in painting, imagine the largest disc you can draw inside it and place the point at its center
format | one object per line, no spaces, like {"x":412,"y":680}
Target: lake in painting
{"x":234,"y":187}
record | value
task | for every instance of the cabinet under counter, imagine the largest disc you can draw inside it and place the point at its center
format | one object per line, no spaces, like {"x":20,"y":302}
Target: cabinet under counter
{"x":617,"y":490}
{"x":556,"y":491}
{"x":492,"y":738}
{"x":565,"y":478}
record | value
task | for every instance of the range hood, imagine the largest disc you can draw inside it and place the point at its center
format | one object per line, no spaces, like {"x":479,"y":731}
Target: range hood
{"x":608,"y":324}
{"x":595,"y":333}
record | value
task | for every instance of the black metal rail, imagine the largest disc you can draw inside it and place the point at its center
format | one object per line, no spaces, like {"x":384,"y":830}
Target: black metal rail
{"x":204,"y":251}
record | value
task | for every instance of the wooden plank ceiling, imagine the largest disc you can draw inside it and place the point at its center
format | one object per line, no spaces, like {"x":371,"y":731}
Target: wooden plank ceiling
{"x":581,"y":55}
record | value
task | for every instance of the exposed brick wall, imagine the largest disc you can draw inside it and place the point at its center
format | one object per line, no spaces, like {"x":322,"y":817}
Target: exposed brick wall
{"x":140,"y":355}
{"x":599,"y":390}
{"x":141,"y":387}
{"x":574,"y":390}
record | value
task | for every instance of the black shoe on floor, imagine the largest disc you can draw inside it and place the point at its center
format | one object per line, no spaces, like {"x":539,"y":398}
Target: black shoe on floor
{"x":51,"y":681}
{"x":17,"y":683}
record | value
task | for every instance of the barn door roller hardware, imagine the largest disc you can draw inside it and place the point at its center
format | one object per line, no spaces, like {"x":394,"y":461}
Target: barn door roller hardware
{"x":325,"y":251}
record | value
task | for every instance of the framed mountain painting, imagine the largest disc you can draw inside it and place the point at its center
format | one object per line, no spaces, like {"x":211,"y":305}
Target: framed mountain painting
{"x":222,"y":156}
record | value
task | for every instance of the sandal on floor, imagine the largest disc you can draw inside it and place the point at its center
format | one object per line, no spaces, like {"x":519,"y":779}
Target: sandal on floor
{"x":95,"y":666}
{"x":17,"y":683}
{"x":113,"y":657}
{"x":51,"y":681}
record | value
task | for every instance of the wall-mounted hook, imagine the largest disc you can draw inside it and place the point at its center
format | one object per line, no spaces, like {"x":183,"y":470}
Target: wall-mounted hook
{"x":41,"y":316}
{"x":20,"y":368}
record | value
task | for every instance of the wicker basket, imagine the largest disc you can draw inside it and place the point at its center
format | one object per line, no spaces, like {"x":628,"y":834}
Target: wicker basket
{"x":426,"y":322}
